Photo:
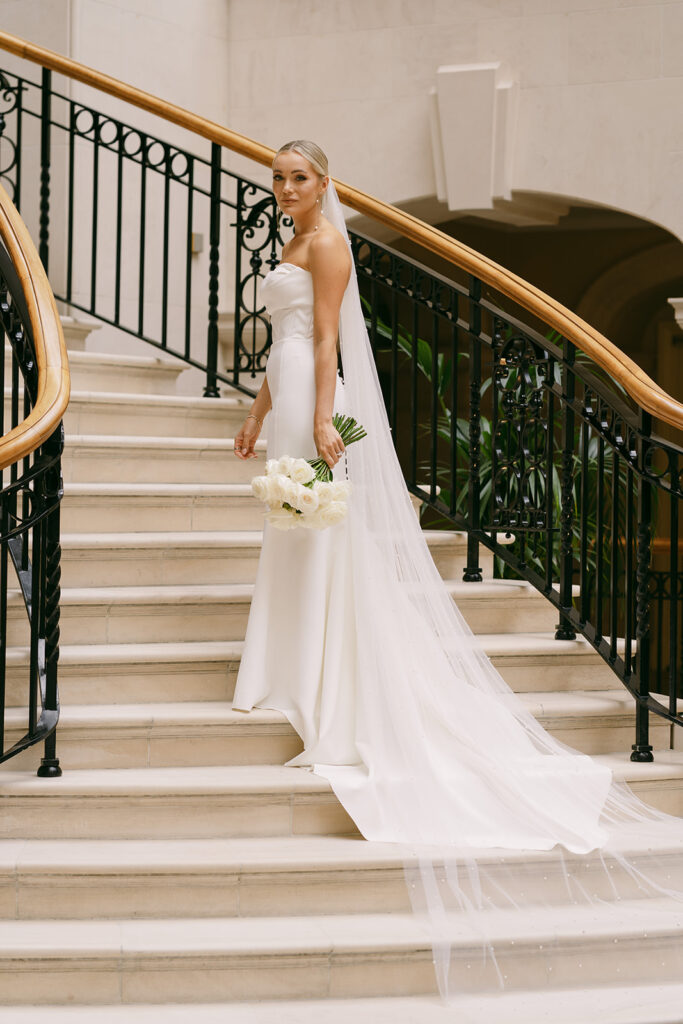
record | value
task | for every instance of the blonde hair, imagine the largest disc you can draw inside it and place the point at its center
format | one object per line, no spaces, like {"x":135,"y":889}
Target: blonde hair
{"x":312,"y":152}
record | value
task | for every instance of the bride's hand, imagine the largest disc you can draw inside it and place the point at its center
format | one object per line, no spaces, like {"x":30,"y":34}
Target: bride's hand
{"x":246,"y":439}
{"x":328,"y":443}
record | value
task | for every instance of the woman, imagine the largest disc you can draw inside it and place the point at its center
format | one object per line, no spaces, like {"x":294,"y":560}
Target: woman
{"x":352,"y":632}
{"x":300,"y":597}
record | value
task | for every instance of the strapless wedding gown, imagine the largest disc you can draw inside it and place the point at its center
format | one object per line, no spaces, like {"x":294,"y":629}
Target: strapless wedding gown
{"x":299,"y":654}
{"x":396,"y":763}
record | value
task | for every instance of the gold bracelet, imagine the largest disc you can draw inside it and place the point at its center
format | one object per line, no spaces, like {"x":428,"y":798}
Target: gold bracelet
{"x":252,"y":415}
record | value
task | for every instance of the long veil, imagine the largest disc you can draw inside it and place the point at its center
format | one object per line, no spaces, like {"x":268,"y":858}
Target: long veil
{"x":453,"y":765}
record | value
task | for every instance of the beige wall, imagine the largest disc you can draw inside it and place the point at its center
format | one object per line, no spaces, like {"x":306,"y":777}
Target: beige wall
{"x":600,"y":97}
{"x":600,"y":100}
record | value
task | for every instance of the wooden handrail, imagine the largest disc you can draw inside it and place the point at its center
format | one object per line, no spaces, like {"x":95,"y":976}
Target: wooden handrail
{"x":645,"y":392}
{"x":50,"y":349}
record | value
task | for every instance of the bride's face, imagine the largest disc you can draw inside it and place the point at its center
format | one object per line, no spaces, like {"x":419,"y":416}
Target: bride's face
{"x":296,"y":184}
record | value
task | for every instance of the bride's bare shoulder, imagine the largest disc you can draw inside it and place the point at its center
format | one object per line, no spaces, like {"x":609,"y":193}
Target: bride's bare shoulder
{"x":328,"y":251}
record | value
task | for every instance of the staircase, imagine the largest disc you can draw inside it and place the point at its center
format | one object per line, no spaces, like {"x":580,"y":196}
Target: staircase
{"x":177,"y":871}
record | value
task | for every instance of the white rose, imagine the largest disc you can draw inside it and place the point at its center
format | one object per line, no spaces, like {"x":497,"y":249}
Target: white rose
{"x":285,"y":464}
{"x":276,"y":492}
{"x":271,"y":467}
{"x":333,"y":513}
{"x":307,"y":500}
{"x":289,"y":491}
{"x":260,"y":488}
{"x":297,"y":495}
{"x":282,"y":519}
{"x":325,"y":492}
{"x":301,"y":471}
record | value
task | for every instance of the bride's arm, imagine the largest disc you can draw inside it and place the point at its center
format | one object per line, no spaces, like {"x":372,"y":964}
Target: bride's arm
{"x":329,"y":264}
{"x":251,"y":428}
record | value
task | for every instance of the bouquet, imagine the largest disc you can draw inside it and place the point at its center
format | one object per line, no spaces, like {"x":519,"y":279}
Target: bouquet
{"x":301,"y":492}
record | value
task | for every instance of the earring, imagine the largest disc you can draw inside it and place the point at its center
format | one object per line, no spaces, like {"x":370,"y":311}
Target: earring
{"x":278,"y":218}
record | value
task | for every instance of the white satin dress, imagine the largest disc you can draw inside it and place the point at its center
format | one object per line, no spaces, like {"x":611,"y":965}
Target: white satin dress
{"x":299,"y":655}
{"x":330,"y":636}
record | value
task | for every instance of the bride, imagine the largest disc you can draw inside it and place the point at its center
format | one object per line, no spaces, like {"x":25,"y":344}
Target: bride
{"x":352,"y":633}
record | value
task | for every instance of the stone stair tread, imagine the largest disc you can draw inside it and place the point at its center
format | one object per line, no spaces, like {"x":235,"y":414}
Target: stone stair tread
{"x":221,"y":779}
{"x":93,"y":654}
{"x":261,"y":778}
{"x":132,"y":442}
{"x":336,"y":935}
{"x":263,"y":854}
{"x":168,"y":594}
{"x":87,"y":357}
{"x":187,"y":593}
{"x":534,"y":643}
{"x":185,"y":713}
{"x":604,"y":704}
{"x":163,"y":402}
{"x":191,"y":538}
{"x":164,"y":490}
{"x":579,"y":703}
{"x":625,"y":1004}
{"x":516,"y":645}
{"x":158,"y":539}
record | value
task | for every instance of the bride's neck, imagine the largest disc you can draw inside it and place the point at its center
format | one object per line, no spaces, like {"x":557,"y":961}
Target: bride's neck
{"x":308,"y":225}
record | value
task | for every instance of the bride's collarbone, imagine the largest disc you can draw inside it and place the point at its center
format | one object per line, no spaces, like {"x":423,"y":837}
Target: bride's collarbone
{"x":297,"y":255}
{"x":296,"y":259}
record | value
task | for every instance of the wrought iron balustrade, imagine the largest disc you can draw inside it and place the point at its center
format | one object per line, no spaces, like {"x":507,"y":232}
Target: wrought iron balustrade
{"x":154,"y":280}
{"x":518,"y":438}
{"x":30,"y":493}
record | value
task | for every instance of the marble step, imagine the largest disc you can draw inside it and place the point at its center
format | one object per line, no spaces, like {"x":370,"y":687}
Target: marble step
{"x":205,"y":733}
{"x":622,"y":1004}
{"x":161,"y":558}
{"x":153,"y":614}
{"x":111,"y":458}
{"x":104,"y":371}
{"x":228,"y":801}
{"x":130,"y":803}
{"x":166,"y":415}
{"x":206,"y":670}
{"x":336,"y":956}
{"x":121,"y":508}
{"x":132,"y":415}
{"x":275,"y":877}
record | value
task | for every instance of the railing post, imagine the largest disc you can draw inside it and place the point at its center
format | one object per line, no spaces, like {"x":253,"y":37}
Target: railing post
{"x":564,"y":630}
{"x":641,"y":750}
{"x":211,"y":388}
{"x":239,"y":205}
{"x":45,"y":116}
{"x":49,"y":765}
{"x":472,"y":572}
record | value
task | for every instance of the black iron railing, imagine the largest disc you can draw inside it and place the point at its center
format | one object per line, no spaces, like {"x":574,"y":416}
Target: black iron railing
{"x":522,"y":441}
{"x":30,"y":493}
{"x":519,"y":438}
{"x":136,"y":229}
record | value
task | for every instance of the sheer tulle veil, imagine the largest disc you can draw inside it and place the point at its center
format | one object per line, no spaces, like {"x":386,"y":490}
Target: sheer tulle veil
{"x":453,"y":765}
